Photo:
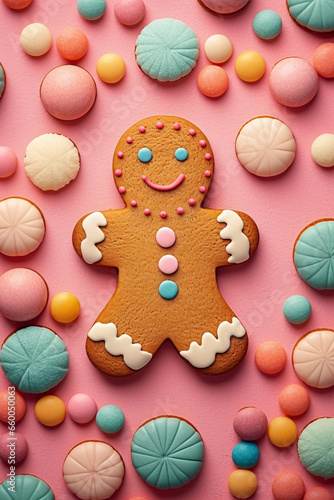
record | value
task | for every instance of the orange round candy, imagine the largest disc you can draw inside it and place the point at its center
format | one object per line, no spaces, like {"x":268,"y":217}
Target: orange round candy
{"x":250,"y":66}
{"x":12,"y":405}
{"x":294,"y":400}
{"x":72,"y":44}
{"x":282,"y":432}
{"x":17,"y":4}
{"x":65,"y":307}
{"x":270,"y":357}
{"x":212,"y":81}
{"x":242,"y":483}
{"x":110,"y":68}
{"x":50,"y":410}
{"x":323,"y":60}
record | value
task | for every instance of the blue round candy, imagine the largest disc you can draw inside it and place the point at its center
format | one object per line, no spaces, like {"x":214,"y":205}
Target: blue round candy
{"x":168,"y":289}
{"x":181,"y":154}
{"x":110,"y":419}
{"x":91,"y":9}
{"x":267,"y":24}
{"x":297,"y":309}
{"x":145,"y":155}
{"x":245,"y":454}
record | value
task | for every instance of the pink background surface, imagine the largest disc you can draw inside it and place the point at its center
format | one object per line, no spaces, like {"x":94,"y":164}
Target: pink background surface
{"x":255,"y":291}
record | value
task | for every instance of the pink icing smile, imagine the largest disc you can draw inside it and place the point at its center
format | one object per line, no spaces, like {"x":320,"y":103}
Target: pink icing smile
{"x":167,"y":187}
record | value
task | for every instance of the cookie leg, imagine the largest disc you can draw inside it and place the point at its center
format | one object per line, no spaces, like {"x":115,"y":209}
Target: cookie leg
{"x":215,"y":354}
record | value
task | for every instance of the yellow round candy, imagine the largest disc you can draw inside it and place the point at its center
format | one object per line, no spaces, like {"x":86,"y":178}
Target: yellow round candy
{"x":50,"y":410}
{"x":110,"y":68}
{"x":242,"y":483}
{"x":65,"y":307}
{"x":250,"y":66}
{"x":282,"y":431}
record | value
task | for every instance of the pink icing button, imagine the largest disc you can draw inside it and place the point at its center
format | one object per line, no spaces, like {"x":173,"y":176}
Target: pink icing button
{"x":147,"y":211}
{"x":207,"y":156}
{"x":159,"y":125}
{"x":192,"y":202}
{"x":122,"y":190}
{"x":180,"y":210}
{"x":163,"y":214}
{"x":165,"y":237}
{"x":202,"y":189}
{"x":192,"y":131}
{"x":120,"y":154}
{"x":81,"y":408}
{"x":177,"y":126}
{"x":133,"y":203}
{"x":207,"y":173}
{"x":168,"y":264}
{"x":129,"y":140}
{"x":118,"y":172}
{"x":202,"y":143}
{"x":142,"y":129}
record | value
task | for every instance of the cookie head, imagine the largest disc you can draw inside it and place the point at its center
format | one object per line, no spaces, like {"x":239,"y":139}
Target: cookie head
{"x":163,"y":161}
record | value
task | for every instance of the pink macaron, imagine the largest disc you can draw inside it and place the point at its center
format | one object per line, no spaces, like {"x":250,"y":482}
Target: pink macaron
{"x":293,"y":82}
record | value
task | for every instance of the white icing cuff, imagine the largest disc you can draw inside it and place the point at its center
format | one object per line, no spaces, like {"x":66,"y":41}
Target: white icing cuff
{"x":123,"y":345}
{"x":239,"y":246}
{"x":94,"y":235}
{"x":203,"y":355}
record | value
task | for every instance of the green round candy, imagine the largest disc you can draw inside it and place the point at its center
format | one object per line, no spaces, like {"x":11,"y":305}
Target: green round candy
{"x":110,"y":419}
{"x":297,"y":309}
{"x":267,"y":24}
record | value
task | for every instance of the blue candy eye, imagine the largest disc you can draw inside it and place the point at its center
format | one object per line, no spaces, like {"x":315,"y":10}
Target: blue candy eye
{"x":181,"y":154}
{"x":145,"y":155}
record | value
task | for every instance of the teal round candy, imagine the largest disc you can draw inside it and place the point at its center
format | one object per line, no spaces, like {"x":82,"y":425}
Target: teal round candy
{"x":267,"y":24}
{"x":167,"y":49}
{"x":26,"y":487}
{"x":316,"y":447}
{"x":110,"y":419}
{"x":167,"y":452}
{"x":145,"y":155}
{"x":34,"y":359}
{"x":2,"y":80}
{"x":314,"y":255}
{"x":297,"y":309}
{"x":91,"y":9}
{"x":245,"y":454}
{"x":316,"y":15}
{"x":168,"y":289}
{"x":181,"y":154}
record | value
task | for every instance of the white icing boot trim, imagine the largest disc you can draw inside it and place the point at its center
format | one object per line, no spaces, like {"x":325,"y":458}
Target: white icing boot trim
{"x":239,"y":246}
{"x":204,"y":355}
{"x":94,"y":235}
{"x":133,"y":356}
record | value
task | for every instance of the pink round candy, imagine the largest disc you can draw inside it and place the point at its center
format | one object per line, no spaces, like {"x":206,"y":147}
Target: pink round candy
{"x":13,"y":445}
{"x":165,"y":237}
{"x":81,"y":408}
{"x":294,"y":400}
{"x":318,"y":493}
{"x":288,"y":486}
{"x":23,"y":294}
{"x":15,"y":402}
{"x":224,"y":6}
{"x":8,"y":162}
{"x":250,"y":423}
{"x":68,"y":92}
{"x":293,"y":82}
{"x":129,"y":12}
{"x":168,"y":264}
{"x":270,"y":357}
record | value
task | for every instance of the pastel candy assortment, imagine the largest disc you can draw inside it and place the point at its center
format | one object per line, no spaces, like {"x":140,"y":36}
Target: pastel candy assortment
{"x":288,"y":485}
{"x":81,"y":408}
{"x":293,"y":82}
{"x":68,"y":92}
{"x":224,"y":6}
{"x":267,"y":24}
{"x":167,"y":50}
{"x":93,"y":470}
{"x":322,"y":150}
{"x":313,"y":358}
{"x":297,"y":309}
{"x":34,"y":359}
{"x":51,"y":161}
{"x":167,"y":452}
{"x":129,"y":12}
{"x":312,"y":14}
{"x":36,"y":39}
{"x":23,"y":294}
{"x":265,"y":146}
{"x":313,"y":254}
{"x":22,"y":227}
{"x":315,"y":447}
{"x":26,"y":486}
{"x":8,"y":159}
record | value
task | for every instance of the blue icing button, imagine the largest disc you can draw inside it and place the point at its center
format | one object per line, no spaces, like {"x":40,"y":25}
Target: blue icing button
{"x":145,"y":155}
{"x":181,"y":154}
{"x":314,"y":255}
{"x":34,"y":359}
{"x":26,"y":487}
{"x":168,"y":289}
{"x":167,"y":452}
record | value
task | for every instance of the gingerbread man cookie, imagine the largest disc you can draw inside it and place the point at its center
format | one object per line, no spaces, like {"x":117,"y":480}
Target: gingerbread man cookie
{"x":166,"y":248}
